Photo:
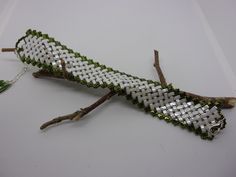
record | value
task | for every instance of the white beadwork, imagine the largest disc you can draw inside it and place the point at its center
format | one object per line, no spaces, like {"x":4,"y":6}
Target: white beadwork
{"x":154,"y":97}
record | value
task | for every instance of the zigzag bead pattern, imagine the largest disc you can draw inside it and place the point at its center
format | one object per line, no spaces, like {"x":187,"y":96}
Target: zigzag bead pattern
{"x":168,"y":103}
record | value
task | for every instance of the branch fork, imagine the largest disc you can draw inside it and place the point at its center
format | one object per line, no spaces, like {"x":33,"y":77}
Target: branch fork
{"x":226,"y":102}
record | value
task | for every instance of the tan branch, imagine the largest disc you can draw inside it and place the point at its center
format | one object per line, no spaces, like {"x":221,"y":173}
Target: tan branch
{"x":79,"y":114}
{"x":8,"y":49}
{"x":158,"y":68}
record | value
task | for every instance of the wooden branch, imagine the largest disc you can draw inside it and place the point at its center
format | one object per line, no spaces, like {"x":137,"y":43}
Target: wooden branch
{"x":59,"y":119}
{"x":79,"y":114}
{"x":226,"y":102}
{"x":8,"y":49}
{"x":63,"y":65}
{"x":45,"y":73}
{"x":158,"y":68}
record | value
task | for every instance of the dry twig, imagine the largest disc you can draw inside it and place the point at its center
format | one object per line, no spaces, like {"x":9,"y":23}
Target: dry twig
{"x":79,"y":114}
{"x":8,"y":49}
{"x":226,"y":102}
{"x":158,"y":68}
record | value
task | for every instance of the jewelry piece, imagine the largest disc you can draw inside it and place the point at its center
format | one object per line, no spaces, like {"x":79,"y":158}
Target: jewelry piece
{"x":165,"y":102}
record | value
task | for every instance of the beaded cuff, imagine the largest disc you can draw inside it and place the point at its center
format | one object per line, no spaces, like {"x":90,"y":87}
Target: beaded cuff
{"x":164,"y":102}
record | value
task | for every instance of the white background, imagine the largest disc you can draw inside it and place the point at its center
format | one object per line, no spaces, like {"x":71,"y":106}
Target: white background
{"x":196,"y":41}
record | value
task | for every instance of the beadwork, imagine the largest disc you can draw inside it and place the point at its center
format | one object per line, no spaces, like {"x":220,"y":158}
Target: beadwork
{"x":165,"y":102}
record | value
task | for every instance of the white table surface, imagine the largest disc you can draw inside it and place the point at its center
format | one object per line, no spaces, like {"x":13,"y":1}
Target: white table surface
{"x":196,"y":41}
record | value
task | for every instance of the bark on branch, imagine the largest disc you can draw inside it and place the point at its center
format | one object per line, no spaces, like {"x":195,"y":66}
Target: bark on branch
{"x":79,"y":114}
{"x":158,"y":68}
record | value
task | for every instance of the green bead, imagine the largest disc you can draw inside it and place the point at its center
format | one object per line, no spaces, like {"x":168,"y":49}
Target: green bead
{"x":45,"y":36}
{"x":70,"y":50}
{"x":4,"y":85}
{"x":109,"y":69}
{"x":28,"y":32}
{"x":167,"y":119}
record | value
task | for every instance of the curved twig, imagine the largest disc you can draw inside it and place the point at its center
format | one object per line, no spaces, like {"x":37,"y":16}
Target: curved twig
{"x":158,"y":68}
{"x":79,"y":114}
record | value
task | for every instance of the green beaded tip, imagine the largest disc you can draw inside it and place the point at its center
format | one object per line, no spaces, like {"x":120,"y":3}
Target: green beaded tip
{"x":4,"y":85}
